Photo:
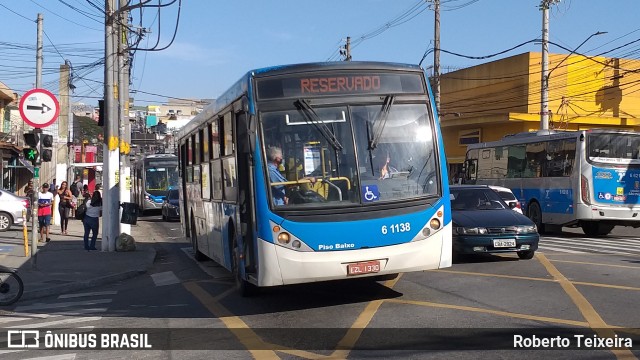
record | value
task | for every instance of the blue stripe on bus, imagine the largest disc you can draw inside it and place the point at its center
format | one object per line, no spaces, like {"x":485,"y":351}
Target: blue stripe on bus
{"x":559,"y":201}
{"x":616,"y":186}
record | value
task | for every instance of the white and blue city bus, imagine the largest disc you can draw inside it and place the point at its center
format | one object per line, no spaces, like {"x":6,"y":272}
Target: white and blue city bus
{"x":151,"y":177}
{"x":588,"y":179}
{"x":314,"y":172}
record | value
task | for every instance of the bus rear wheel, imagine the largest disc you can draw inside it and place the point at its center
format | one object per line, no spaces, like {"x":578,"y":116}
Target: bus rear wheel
{"x":596,"y":229}
{"x":535,"y":214}
{"x":194,"y":242}
{"x":244,"y":287}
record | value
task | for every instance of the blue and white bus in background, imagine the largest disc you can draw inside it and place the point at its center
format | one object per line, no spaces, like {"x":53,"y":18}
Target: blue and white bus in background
{"x":588,"y":178}
{"x":151,"y":178}
{"x":314,"y":172}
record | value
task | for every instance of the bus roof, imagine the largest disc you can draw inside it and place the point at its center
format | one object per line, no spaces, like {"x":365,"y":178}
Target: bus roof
{"x":542,"y":135}
{"x":243,"y":85}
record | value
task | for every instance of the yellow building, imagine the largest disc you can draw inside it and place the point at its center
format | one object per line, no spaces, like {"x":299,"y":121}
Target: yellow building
{"x":488,"y":101}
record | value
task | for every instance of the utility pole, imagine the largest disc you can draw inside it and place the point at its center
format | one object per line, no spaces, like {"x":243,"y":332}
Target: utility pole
{"x":123,"y":115}
{"x":347,"y":49}
{"x":110,"y":193}
{"x":436,"y":54}
{"x":544,"y":73}
{"x":36,"y":179}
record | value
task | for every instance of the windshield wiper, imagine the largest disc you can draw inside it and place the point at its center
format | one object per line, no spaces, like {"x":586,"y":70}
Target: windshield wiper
{"x":310,"y":116}
{"x":380,"y":121}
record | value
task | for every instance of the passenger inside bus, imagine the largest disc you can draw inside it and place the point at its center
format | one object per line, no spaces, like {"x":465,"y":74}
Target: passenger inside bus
{"x":279,"y":191}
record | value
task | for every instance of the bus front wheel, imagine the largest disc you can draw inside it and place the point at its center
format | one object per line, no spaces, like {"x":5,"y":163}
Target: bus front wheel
{"x":535,"y":214}
{"x":244,"y":287}
{"x":596,"y":229}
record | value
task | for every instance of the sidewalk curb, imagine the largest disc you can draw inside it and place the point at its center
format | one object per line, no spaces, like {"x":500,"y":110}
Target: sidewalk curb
{"x":82,"y":285}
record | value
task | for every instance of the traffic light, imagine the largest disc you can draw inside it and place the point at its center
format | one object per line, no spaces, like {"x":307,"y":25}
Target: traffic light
{"x":46,"y":153}
{"x":31,"y":153}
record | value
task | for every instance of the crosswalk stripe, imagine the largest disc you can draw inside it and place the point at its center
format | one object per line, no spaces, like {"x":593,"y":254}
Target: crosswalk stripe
{"x":602,"y":240}
{"x":165,"y":278}
{"x":592,"y":243}
{"x":41,"y":306}
{"x":29,"y":316}
{"x":587,"y":248}
{"x":10,"y":351}
{"x":97,"y":293}
{"x":541,"y":247}
{"x":58,"y":322}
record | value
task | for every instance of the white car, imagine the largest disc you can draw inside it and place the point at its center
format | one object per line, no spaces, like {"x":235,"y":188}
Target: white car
{"x":508,"y":197}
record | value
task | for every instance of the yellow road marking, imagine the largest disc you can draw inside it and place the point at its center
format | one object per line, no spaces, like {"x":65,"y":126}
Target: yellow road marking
{"x":620,"y":287}
{"x":239,"y":328}
{"x":353,"y":334}
{"x":586,"y":309}
{"x":597,"y":264}
{"x":495,"y":275}
{"x":494,"y":312}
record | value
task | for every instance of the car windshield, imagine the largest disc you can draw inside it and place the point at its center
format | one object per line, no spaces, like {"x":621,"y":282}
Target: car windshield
{"x":173,"y":195}
{"x":506,"y":195}
{"x":476,"y":199}
{"x":355,"y":155}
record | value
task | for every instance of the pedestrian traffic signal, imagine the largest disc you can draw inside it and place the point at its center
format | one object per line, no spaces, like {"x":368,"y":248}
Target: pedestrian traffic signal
{"x":45,"y":143}
{"x":30,"y":154}
{"x":32,"y":144}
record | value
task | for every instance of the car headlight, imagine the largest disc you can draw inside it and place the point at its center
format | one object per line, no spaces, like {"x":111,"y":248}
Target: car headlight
{"x":471,"y":230}
{"x":526,"y":229}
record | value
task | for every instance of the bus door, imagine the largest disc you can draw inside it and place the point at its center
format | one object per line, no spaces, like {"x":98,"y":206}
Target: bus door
{"x":245,"y":139}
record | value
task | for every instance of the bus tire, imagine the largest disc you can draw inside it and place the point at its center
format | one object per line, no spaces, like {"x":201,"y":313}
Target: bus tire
{"x":535,"y":214}
{"x":245,"y":288}
{"x":596,"y":229}
{"x":526,"y":255}
{"x":194,"y":242}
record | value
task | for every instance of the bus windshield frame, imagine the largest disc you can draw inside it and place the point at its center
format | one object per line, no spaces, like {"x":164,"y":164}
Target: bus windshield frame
{"x":328,"y":159}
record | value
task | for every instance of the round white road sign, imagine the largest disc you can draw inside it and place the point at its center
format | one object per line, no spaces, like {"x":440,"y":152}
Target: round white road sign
{"x":39,"y":108}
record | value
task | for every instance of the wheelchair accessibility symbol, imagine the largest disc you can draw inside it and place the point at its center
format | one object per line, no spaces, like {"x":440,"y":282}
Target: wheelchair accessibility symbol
{"x":370,"y":193}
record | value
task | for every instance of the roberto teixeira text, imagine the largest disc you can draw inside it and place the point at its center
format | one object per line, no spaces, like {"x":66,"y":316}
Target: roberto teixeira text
{"x":35,"y":339}
{"x":572,"y":341}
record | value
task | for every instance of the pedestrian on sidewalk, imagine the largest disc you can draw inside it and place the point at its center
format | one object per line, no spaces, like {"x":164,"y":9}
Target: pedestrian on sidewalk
{"x":76,"y":190}
{"x":64,"y":206}
{"x":45,"y":200}
{"x":91,"y":220}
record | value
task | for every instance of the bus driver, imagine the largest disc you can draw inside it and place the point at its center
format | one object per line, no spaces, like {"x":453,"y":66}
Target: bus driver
{"x":274,"y":156}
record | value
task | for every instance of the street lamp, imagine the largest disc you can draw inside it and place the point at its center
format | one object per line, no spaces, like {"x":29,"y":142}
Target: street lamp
{"x":544,"y":104}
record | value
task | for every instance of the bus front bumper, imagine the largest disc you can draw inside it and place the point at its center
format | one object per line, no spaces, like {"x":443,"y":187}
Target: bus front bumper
{"x":283,"y":266}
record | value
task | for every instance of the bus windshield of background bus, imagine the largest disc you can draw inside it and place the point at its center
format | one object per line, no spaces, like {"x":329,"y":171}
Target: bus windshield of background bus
{"x":160,"y":179}
{"x":308,"y":167}
{"x":614,"y":148}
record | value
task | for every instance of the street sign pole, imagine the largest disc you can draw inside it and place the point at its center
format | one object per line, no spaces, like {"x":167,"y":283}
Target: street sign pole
{"x":34,"y":216}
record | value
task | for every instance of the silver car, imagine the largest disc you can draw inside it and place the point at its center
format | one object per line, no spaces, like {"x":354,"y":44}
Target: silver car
{"x":11,"y":207}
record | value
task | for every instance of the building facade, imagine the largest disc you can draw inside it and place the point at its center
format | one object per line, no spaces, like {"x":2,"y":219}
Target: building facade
{"x":488,"y":101}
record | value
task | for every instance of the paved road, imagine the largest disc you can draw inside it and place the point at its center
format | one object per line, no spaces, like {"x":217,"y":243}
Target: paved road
{"x":574,"y":283}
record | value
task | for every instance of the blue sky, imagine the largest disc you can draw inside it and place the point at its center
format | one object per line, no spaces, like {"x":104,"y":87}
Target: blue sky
{"x":219,"y":40}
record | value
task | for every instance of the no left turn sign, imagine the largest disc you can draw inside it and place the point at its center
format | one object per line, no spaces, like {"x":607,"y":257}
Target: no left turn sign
{"x":39,"y":108}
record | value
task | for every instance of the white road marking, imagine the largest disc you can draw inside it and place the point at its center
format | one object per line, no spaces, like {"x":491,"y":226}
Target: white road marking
{"x":540,"y":247}
{"x":58,"y":322}
{"x":97,"y":293}
{"x":41,"y":306}
{"x":165,"y":278}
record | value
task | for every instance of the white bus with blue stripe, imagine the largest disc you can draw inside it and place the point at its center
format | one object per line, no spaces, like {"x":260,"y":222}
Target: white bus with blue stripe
{"x":314,"y":172}
{"x":588,"y":179}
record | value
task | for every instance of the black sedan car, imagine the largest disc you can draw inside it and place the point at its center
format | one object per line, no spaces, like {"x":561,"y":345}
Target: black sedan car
{"x":484,"y":223}
{"x":171,"y":206}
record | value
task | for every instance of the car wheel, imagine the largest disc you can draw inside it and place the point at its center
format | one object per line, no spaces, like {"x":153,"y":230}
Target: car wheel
{"x":5,"y":221}
{"x":535,"y":214}
{"x":526,"y":255}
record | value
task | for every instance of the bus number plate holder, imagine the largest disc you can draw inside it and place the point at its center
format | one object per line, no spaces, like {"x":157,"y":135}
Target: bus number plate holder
{"x":361,"y":268}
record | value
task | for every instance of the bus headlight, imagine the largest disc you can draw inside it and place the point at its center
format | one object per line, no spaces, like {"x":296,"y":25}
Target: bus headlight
{"x":434,"y":223}
{"x":284,"y":238}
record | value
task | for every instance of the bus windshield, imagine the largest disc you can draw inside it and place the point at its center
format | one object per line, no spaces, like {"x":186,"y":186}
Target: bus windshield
{"x":160,"y":179}
{"x":345,"y":155}
{"x":614,"y":148}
